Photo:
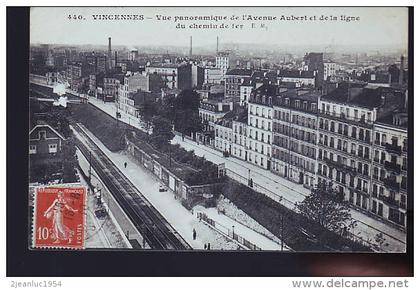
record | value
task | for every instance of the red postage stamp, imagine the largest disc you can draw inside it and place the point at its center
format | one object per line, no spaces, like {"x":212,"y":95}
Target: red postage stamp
{"x":59,"y":217}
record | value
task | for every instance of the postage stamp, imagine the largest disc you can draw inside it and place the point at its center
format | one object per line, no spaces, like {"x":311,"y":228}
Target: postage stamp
{"x":59,"y":217}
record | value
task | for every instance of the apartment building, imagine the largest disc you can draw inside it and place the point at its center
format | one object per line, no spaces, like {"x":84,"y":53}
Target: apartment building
{"x":177,"y":76}
{"x":233,"y":81}
{"x":260,"y":121}
{"x":223,"y":134}
{"x":240,"y":134}
{"x":389,"y":176}
{"x":346,"y":124}
{"x":295,"y":131}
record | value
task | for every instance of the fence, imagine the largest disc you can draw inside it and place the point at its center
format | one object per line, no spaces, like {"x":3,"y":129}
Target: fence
{"x":228,"y":232}
{"x":261,"y":189}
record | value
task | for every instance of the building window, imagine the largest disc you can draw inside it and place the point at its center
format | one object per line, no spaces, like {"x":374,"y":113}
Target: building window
{"x":380,"y":209}
{"x":42,"y":135}
{"x":52,"y":148}
{"x":32,"y":149}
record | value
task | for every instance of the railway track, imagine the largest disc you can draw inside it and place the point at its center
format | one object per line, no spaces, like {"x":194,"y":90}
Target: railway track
{"x":157,"y":232}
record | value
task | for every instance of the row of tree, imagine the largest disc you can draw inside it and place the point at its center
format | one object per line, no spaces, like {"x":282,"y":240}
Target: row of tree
{"x":180,"y":112}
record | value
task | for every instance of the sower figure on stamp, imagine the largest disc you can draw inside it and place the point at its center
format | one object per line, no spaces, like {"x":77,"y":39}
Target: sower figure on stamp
{"x":55,"y":212}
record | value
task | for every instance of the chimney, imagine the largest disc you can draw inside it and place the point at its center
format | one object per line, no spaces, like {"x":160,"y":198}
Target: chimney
{"x":109,"y":54}
{"x":401,"y":76}
{"x":190,"y":46}
{"x":116,"y":57}
{"x":383,"y":100}
{"x":219,"y":107}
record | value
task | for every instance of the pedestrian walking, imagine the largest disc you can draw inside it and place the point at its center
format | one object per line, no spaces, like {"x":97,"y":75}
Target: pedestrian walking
{"x":205,"y":246}
{"x":194,"y":234}
{"x":125,"y":164}
{"x":208,"y":246}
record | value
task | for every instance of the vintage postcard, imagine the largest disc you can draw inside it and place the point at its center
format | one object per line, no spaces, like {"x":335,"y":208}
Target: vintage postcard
{"x":220,"y":128}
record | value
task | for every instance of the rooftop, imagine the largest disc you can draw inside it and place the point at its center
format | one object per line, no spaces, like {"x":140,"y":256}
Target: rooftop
{"x":296,"y":74}
{"x":239,"y":72}
{"x":361,"y":95}
{"x":396,"y":118}
{"x":167,"y":65}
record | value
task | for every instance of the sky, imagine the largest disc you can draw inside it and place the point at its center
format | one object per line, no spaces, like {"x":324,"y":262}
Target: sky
{"x":376,"y":27}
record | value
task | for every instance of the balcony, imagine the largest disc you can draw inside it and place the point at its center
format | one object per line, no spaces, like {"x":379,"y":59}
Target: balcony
{"x":339,"y":165}
{"x":393,"y":148}
{"x":390,"y":201}
{"x":344,"y":117}
{"x":404,"y":186}
{"x":392,"y":167}
{"x":393,"y":184}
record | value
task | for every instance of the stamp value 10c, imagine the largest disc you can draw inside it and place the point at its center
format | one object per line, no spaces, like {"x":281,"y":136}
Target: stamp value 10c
{"x":59,"y":217}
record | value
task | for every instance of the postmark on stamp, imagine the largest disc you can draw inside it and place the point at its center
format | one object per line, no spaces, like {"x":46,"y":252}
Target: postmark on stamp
{"x":59,"y":217}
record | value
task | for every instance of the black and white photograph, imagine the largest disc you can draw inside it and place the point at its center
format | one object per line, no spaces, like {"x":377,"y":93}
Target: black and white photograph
{"x":221,"y":128}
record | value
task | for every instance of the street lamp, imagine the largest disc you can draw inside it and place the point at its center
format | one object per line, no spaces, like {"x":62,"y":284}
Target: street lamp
{"x":233,"y":231}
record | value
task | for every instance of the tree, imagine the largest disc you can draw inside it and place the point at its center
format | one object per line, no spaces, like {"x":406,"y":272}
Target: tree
{"x":324,"y":207}
{"x":162,"y":132}
{"x":187,"y":100}
{"x":147,"y":111}
{"x":186,"y":116}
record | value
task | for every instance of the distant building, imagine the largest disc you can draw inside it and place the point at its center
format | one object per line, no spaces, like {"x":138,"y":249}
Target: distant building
{"x":133,"y":55}
{"x":124,"y":65}
{"x":174,"y":75}
{"x":233,"y":80}
{"x":244,"y":93}
{"x":210,"y":111}
{"x":95,"y":80}
{"x":111,"y":84}
{"x":240,"y":135}
{"x":131,"y":84}
{"x":95,"y":63}
{"x":74,"y":74}
{"x":222,"y":62}
{"x":299,"y":77}
{"x":315,"y":62}
{"x":382,"y":79}
{"x":330,"y":69}
{"x":213,"y":75}
{"x":223,"y":134}
{"x":197,"y":76}
{"x":49,"y":79}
